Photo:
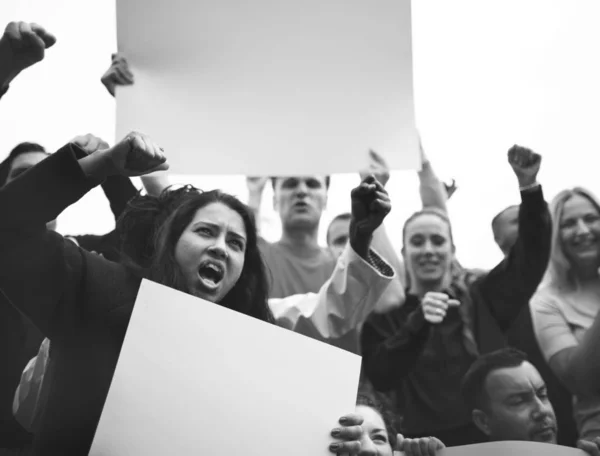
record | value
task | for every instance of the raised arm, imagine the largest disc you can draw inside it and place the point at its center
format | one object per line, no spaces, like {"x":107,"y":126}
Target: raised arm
{"x":357,"y":283}
{"x":117,"y":189}
{"x":394,"y":295}
{"x":432,"y":190}
{"x":41,"y":273}
{"x":511,"y":284}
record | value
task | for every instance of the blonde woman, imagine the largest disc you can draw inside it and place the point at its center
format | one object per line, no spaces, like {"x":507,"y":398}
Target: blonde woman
{"x":565,"y":307}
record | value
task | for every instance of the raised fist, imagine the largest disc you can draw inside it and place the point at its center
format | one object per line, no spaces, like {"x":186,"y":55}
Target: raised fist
{"x":436,"y":305}
{"x":90,"y":143}
{"x":136,"y":155}
{"x":377,"y":167}
{"x":370,"y":206}
{"x":525,"y":163}
{"x":22,"y":45}
{"x":118,"y":74}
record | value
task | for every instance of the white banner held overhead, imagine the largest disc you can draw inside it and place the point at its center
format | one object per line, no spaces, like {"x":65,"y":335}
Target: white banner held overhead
{"x":196,"y":378}
{"x":270,"y":87}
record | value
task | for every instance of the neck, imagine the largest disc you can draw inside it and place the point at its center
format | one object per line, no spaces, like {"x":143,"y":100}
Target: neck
{"x":302,"y":238}
{"x":586,"y":273}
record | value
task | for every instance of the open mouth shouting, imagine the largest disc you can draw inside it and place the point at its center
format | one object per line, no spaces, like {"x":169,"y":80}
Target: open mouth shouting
{"x":211,"y":274}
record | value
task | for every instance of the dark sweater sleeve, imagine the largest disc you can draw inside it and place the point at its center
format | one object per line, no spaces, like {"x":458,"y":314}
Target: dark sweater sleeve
{"x":511,"y":284}
{"x":41,"y":273}
{"x":118,"y":190}
{"x":391,"y":345}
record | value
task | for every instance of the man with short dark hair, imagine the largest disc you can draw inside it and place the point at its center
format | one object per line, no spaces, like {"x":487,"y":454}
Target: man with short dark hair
{"x":508,"y":400}
{"x":297,"y":263}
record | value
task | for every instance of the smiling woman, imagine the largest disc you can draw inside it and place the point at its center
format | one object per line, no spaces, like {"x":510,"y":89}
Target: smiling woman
{"x":422,"y":349}
{"x":82,"y":302}
{"x":566,"y":306}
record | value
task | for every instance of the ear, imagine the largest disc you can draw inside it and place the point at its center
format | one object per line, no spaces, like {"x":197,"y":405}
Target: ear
{"x":481,"y":421}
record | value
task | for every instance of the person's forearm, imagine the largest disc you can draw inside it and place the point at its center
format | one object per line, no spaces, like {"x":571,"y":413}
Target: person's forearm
{"x":254,"y":203}
{"x":155,"y":183}
{"x":584,"y":365}
{"x":432,"y":190}
{"x":45,"y":190}
{"x":394,"y":296}
{"x":119,"y":190}
{"x":343,"y":302}
{"x":510,"y":286}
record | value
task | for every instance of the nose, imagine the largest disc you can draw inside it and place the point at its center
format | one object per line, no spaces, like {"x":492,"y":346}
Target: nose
{"x":367,"y":447}
{"x":301,"y":188}
{"x":219,"y":248}
{"x":582,"y":228}
{"x":541,"y":410}
{"x":428,"y":247}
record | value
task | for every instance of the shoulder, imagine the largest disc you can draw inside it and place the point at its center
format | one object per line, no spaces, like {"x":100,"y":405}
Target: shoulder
{"x":546,"y":297}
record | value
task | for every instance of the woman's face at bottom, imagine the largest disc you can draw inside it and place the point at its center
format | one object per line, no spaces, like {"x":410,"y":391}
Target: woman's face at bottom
{"x":374,"y":439}
{"x":211,"y":251}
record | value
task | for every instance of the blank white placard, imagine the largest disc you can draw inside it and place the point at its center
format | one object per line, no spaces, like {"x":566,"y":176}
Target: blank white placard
{"x":512,"y":449}
{"x":270,"y":87}
{"x":196,"y":378}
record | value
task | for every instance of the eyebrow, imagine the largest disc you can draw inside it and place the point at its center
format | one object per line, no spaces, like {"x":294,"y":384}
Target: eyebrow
{"x":215,"y":226}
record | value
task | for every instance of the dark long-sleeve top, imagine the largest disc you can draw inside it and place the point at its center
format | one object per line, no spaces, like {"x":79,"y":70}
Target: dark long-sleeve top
{"x":20,"y":339}
{"x":424,"y":363}
{"x":80,"y":301}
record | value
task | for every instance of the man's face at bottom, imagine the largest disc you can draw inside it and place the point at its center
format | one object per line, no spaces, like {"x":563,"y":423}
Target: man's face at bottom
{"x":518,"y":406}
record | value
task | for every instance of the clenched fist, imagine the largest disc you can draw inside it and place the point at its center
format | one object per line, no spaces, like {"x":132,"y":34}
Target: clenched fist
{"x":525,"y":163}
{"x":436,"y":305}
{"x":370,"y":206}
{"x":22,"y":45}
{"x":90,"y":143}
{"x":136,"y":155}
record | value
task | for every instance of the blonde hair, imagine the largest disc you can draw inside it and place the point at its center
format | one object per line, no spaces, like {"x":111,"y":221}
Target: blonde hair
{"x":560,"y":273}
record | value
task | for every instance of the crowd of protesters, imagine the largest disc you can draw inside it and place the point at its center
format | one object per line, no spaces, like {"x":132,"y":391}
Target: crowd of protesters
{"x":451,"y":356}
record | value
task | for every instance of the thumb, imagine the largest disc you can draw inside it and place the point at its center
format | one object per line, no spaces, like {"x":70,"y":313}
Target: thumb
{"x":400,"y":442}
{"x":453,"y":303}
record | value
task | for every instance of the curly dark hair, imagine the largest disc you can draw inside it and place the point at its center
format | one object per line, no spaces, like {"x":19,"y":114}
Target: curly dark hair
{"x":149,"y":230}
{"x":368,"y":399}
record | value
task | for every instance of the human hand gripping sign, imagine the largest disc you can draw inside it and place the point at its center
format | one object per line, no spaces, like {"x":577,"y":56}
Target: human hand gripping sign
{"x":436,"y":305}
{"x":377,"y":167}
{"x":348,"y":440}
{"x":424,"y":446}
{"x":117,"y":74}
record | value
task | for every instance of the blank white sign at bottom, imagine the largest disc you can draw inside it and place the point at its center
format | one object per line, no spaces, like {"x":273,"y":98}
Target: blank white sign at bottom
{"x":194,"y":378}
